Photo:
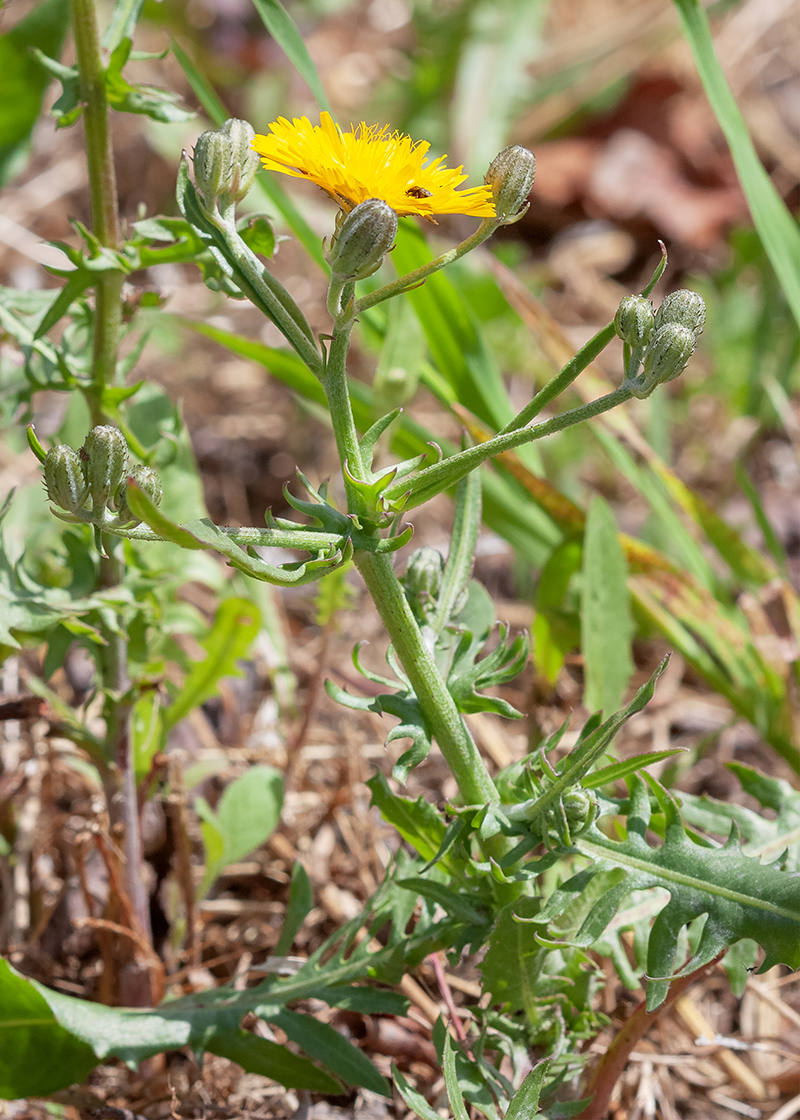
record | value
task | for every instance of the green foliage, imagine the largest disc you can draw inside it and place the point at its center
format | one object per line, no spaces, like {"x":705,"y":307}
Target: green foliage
{"x":246,"y":815}
{"x":774,"y":223}
{"x":23,"y":81}
{"x":29,"y":1029}
{"x":541,"y":869}
{"x":606,"y":623}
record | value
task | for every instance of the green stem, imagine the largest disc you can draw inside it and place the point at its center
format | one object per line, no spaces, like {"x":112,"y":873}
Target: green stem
{"x":344,"y":426}
{"x":437,"y":705}
{"x":415,"y":278}
{"x":443,"y":475}
{"x":107,"y":323}
{"x":104,"y":205}
{"x":562,"y":380}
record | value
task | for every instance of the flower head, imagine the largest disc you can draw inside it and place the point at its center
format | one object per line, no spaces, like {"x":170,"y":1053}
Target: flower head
{"x":370,"y":162}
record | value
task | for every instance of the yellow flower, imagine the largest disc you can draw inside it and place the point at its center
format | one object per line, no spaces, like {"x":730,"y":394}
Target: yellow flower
{"x":370,"y":162}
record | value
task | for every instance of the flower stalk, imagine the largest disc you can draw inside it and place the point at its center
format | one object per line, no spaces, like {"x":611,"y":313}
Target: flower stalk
{"x":107,"y":322}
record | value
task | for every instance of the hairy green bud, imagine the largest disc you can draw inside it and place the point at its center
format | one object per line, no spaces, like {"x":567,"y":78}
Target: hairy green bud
{"x":685,"y":308}
{"x":634,"y":321}
{"x":105,"y":455}
{"x":665,"y":358}
{"x":580,"y":810}
{"x":423,"y":581}
{"x":213,"y":165}
{"x":245,"y":162}
{"x":511,"y":175}
{"x":362,"y":240}
{"x":148,"y":482}
{"x":64,"y":478}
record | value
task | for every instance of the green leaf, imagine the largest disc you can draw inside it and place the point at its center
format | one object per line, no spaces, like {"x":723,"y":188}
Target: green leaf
{"x":283,"y":30}
{"x":301,"y":900}
{"x":451,"y":1080}
{"x":28,"y":1031}
{"x":555,"y":631}
{"x":247,"y":813}
{"x":232,"y":633}
{"x":23,"y":81}
{"x":524,"y":1105}
{"x":418,"y":821}
{"x":606,"y":624}
{"x":619,"y":770}
{"x":325,"y":1044}
{"x":413,"y":1100}
{"x":158,"y":104}
{"x":513,"y":962}
{"x":259,"y":1055}
{"x":741,"y":897}
{"x":775,"y":225}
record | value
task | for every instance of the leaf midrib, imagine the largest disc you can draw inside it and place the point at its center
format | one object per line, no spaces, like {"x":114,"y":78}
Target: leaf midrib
{"x":625,"y":859}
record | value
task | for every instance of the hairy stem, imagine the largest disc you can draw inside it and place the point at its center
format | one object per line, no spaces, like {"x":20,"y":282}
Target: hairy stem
{"x":103,"y":194}
{"x":443,"y":475}
{"x":438,"y":707}
{"x":107,"y":323}
{"x":415,"y":278}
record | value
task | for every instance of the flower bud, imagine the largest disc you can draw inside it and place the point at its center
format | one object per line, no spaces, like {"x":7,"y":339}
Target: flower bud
{"x":362,"y":240}
{"x":580,"y":810}
{"x":245,"y":161}
{"x":213,"y":165}
{"x":666,"y":357}
{"x":423,"y":581}
{"x":105,"y":454}
{"x":64,"y":478}
{"x":634,"y":321}
{"x":511,"y":175}
{"x":683,"y":307}
{"x":148,"y":482}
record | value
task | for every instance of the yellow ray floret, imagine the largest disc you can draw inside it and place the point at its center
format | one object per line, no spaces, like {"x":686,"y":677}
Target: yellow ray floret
{"x":370,"y":162}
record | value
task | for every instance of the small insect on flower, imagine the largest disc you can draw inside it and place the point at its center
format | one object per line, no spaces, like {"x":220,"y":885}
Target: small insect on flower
{"x":370,"y":161}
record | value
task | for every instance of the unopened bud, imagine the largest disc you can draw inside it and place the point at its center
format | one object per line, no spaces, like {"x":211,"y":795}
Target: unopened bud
{"x":666,"y":357}
{"x":105,"y":454}
{"x":684,"y":307}
{"x":511,"y":175}
{"x":64,"y":478}
{"x":245,"y":162}
{"x":423,"y":581}
{"x":148,"y":482}
{"x":580,"y":809}
{"x":362,"y":240}
{"x":213,"y":165}
{"x":634,"y":321}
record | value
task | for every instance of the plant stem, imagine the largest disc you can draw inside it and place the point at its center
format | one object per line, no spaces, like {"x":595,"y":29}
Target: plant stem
{"x":107,"y":322}
{"x":415,"y":278}
{"x":562,"y":380}
{"x":443,"y":475}
{"x":104,"y":204}
{"x":438,"y":707}
{"x":613,"y":1063}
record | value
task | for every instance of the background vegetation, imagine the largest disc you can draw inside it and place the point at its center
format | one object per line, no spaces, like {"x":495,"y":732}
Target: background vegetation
{"x":261,"y":828}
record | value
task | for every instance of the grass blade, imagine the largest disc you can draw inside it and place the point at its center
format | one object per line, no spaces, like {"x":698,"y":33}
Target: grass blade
{"x":772,"y":220}
{"x":283,"y":30}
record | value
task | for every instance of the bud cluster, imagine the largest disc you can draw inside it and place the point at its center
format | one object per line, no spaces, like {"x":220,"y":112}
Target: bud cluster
{"x":662,"y":341}
{"x":91,"y":484}
{"x":225,"y":164}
